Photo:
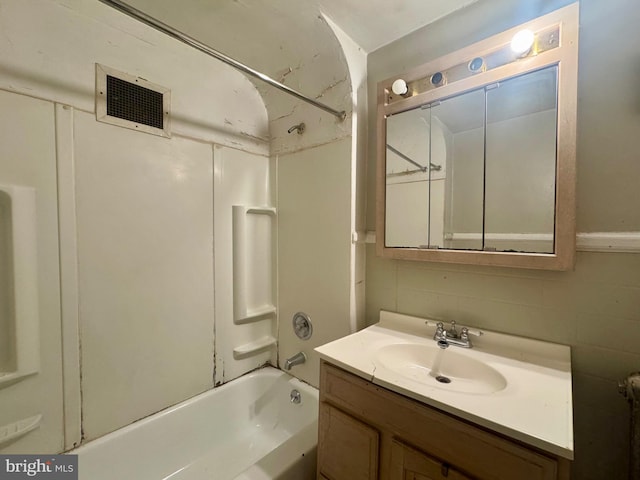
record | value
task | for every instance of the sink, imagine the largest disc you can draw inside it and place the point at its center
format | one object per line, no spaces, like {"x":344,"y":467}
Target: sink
{"x":517,"y":386}
{"x":440,"y":368}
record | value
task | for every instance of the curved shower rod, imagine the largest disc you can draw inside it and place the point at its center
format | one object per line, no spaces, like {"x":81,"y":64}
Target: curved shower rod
{"x":172,"y":32}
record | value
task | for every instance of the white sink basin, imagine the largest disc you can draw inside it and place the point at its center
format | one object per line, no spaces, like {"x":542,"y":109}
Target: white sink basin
{"x":440,"y":368}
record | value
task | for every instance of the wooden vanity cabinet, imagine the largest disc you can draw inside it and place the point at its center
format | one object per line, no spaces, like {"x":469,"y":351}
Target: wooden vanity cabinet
{"x":367,"y":432}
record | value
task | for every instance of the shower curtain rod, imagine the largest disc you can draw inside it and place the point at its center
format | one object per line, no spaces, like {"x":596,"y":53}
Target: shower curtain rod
{"x":172,"y":32}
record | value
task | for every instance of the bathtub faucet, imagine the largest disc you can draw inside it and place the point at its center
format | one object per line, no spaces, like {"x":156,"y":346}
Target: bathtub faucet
{"x":297,"y":359}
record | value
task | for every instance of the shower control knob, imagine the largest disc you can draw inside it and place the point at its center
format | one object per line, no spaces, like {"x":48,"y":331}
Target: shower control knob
{"x":302,"y":326}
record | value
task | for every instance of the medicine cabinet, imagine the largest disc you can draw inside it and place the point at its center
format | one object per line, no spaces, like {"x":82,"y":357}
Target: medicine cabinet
{"x":476,"y":152}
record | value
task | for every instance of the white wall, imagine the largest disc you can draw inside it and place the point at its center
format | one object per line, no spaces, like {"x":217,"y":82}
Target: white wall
{"x":321,"y":206}
{"x":314,"y":248}
{"x":356,"y":59}
{"x":136,"y":215}
{"x":145,"y":271}
{"x":297,"y":47}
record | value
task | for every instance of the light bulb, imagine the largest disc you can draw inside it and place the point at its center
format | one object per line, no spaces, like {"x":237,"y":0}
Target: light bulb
{"x":399,"y":87}
{"x":522,"y":42}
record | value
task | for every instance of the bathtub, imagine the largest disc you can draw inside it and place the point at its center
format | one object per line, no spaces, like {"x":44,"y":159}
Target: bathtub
{"x":247,"y":429}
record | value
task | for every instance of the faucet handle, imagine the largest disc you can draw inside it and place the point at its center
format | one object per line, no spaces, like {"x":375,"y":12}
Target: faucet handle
{"x":466,"y":331}
{"x":439,"y":333}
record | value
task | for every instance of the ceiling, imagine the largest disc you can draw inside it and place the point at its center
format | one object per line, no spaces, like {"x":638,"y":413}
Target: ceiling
{"x":370,"y":23}
{"x":290,"y":41}
{"x":375,"y":23}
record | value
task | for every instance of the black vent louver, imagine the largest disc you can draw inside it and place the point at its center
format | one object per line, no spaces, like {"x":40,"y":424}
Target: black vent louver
{"x":134,"y":103}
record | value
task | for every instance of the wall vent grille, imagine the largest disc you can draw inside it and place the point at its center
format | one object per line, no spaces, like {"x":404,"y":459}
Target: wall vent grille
{"x":134,"y":103}
{"x":131,"y":102}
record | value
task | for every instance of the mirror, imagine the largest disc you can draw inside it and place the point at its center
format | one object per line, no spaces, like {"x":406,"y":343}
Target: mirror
{"x":483,"y":173}
{"x":476,"y":171}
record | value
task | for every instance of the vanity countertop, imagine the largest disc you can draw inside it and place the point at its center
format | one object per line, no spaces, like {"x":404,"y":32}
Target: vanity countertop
{"x":532,"y":405}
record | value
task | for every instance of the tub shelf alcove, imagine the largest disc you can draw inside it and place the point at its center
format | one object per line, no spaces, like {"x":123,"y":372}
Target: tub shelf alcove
{"x":252,"y":348}
{"x":250,"y":306}
{"x":19,"y":340}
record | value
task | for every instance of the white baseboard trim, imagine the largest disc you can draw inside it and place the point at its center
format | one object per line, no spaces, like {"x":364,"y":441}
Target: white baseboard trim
{"x":622,"y":242}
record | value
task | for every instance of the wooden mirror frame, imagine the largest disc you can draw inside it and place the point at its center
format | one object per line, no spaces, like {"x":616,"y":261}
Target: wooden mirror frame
{"x":565,"y":56}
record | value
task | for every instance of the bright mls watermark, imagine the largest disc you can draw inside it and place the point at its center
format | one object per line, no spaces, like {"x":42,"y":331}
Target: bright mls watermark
{"x":51,"y":467}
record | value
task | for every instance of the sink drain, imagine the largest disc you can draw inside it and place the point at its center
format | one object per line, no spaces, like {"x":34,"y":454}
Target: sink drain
{"x":443,"y":379}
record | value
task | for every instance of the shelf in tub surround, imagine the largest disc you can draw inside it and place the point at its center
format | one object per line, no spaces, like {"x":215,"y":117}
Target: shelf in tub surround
{"x":242,"y":313}
{"x":261,"y":210}
{"x":256,"y":314}
{"x":15,"y":430}
{"x":253,"y":348}
{"x":18,"y":252}
{"x":533,"y":403}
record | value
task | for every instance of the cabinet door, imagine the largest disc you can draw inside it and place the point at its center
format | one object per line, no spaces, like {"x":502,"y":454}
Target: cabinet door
{"x":347,"y":448}
{"x":410,"y":464}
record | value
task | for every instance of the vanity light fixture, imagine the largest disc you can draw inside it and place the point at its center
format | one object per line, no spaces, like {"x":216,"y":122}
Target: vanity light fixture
{"x":437,"y":79}
{"x":476,"y":65}
{"x":399,"y":87}
{"x":522,"y":42}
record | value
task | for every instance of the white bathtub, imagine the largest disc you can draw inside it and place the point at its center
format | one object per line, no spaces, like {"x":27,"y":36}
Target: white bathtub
{"x":247,"y":429}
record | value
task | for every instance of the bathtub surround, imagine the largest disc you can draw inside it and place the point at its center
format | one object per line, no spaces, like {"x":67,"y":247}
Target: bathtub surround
{"x":136,"y":217}
{"x":243,"y":180}
{"x":144,"y":264}
{"x":577,"y":308}
{"x":147,"y":316}
{"x":313,"y":174}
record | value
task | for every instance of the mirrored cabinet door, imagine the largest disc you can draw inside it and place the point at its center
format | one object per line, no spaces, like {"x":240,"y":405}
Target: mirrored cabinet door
{"x":462,"y":119}
{"x":476,"y":171}
{"x":520,"y":163}
{"x":407,"y":179}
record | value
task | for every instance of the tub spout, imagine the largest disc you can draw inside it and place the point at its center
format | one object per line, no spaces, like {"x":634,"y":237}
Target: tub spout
{"x":297,"y":359}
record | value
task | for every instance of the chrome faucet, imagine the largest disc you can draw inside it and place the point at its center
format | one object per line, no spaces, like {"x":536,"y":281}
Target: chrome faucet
{"x":297,"y":359}
{"x":445,"y":337}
